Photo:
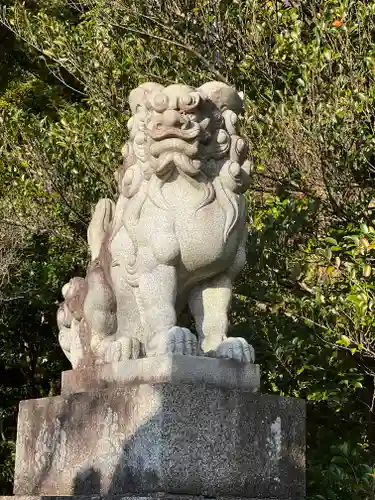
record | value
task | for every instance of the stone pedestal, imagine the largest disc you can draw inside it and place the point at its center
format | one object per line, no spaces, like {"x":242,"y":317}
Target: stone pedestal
{"x":176,"y":369}
{"x":176,"y":425}
{"x":159,"y":496}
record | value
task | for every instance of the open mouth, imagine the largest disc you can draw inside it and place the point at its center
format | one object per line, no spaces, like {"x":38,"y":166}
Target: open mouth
{"x":186,"y":132}
{"x":174,"y":144}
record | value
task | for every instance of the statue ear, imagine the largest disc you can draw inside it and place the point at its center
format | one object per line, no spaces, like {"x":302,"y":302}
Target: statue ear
{"x":241,"y":95}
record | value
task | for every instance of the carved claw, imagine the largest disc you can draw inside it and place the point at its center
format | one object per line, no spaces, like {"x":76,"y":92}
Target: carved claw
{"x":177,"y":341}
{"x":122,"y":349}
{"x":236,"y":348}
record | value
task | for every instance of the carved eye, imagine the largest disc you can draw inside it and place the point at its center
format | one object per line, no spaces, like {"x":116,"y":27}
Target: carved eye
{"x":189,"y":101}
{"x":184,"y":101}
{"x":159,"y":102}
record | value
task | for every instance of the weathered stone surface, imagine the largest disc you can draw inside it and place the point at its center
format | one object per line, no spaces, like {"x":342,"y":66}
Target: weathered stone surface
{"x":176,"y":369}
{"x":122,"y":497}
{"x":173,"y":240}
{"x":149,"y":438}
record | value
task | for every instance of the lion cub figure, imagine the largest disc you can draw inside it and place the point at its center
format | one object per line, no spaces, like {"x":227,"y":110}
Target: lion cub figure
{"x":174,"y":240}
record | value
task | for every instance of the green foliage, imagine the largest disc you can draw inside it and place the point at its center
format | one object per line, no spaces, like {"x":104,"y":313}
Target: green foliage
{"x":306,"y":297}
{"x":301,"y":306}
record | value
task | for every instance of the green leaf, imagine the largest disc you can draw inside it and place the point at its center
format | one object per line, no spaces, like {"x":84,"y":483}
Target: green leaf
{"x":345,"y":448}
{"x":328,"y":253}
{"x":366,"y":270}
{"x":300,"y":82}
{"x":355,"y":239}
{"x":344,"y":340}
{"x":331,"y":240}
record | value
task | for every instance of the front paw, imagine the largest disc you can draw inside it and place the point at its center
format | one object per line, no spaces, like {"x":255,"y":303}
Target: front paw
{"x":236,"y":348}
{"x":176,"y":341}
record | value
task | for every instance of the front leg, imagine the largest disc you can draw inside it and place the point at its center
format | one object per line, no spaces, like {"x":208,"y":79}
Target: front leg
{"x":157,"y":297}
{"x":209,"y":304}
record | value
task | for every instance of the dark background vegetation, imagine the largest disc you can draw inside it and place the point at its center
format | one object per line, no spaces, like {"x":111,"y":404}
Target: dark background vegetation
{"x":306,"y":298}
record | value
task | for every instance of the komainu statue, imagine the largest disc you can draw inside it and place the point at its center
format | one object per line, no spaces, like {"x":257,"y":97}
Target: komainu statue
{"x":174,"y":240}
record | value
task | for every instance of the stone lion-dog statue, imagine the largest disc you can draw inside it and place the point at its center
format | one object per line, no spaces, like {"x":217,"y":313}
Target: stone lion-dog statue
{"x":175,"y":239}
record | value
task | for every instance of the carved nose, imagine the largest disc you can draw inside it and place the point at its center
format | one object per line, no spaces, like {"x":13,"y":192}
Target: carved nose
{"x":171,"y":118}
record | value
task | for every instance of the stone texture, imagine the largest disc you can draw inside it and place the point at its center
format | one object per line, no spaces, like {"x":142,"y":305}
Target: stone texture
{"x":176,"y":369}
{"x":150,"y":438}
{"x":173,"y":240}
{"x":122,"y":497}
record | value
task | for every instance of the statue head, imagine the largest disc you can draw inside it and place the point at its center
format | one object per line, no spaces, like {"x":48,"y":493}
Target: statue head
{"x":179,"y":130}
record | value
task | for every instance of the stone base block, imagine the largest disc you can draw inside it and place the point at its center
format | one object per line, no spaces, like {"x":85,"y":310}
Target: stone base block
{"x":183,"y":439}
{"x":121,"y":497}
{"x":175,"y":369}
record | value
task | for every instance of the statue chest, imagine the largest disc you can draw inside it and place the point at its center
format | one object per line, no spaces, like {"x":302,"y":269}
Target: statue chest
{"x":203,"y":241}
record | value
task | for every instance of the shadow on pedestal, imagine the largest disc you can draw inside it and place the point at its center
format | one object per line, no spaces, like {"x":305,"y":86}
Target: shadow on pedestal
{"x":162,"y":438}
